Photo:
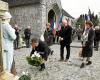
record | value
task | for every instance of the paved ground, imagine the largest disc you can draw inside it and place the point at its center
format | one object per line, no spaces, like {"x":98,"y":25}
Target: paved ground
{"x":56,"y":70}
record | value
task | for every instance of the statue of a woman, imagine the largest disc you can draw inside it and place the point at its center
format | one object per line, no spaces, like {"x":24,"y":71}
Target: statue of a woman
{"x":8,"y":39}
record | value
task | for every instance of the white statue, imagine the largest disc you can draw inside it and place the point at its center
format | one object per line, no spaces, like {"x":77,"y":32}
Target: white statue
{"x":8,"y":39}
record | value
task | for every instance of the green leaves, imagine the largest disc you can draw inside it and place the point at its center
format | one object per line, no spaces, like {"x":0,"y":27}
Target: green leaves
{"x":35,"y":61}
{"x":24,"y":77}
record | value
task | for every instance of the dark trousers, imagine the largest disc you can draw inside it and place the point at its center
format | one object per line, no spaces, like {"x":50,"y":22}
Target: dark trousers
{"x":96,"y":45}
{"x":27,"y":41}
{"x":16,"y":43}
{"x":62,"y":51}
{"x":43,"y":65}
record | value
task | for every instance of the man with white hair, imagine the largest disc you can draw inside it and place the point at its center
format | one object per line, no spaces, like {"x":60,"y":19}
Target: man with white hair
{"x":8,"y":39}
{"x":65,"y":35}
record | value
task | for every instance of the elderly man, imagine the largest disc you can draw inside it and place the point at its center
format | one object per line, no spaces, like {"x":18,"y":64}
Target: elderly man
{"x":65,"y":35}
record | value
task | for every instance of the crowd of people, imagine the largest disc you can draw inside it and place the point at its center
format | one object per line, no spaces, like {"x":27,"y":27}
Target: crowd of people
{"x":63,"y":36}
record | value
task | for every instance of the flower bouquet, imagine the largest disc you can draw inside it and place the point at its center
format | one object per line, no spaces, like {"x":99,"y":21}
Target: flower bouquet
{"x":25,"y":76}
{"x":35,"y":59}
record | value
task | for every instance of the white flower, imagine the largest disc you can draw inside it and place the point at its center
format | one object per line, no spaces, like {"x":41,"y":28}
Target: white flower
{"x":38,"y":55}
{"x":23,"y":73}
{"x":32,"y":56}
{"x":27,"y":72}
{"x":35,"y":53}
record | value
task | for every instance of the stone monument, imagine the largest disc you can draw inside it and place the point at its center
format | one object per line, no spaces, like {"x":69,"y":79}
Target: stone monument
{"x":3,"y":74}
{"x":3,"y":8}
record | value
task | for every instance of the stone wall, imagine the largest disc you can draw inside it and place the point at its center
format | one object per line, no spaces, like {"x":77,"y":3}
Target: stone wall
{"x":35,"y":15}
{"x":28,"y":16}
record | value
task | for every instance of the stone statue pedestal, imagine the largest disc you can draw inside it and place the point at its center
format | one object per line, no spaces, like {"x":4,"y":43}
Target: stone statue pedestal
{"x":8,"y":76}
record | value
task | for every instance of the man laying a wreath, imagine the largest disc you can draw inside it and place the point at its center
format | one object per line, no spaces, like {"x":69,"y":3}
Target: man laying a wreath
{"x":39,"y":53}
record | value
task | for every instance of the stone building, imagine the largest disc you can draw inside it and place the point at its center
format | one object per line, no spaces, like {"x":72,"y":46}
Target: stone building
{"x":68,"y":17}
{"x":34,"y":13}
{"x":99,"y":18}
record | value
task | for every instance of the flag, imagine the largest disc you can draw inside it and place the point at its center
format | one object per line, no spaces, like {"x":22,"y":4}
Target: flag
{"x":86,"y":17}
{"x":60,"y":21}
{"x":53,"y":26}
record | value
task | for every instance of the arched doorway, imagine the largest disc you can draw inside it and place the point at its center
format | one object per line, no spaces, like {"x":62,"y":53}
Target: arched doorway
{"x":51,"y":16}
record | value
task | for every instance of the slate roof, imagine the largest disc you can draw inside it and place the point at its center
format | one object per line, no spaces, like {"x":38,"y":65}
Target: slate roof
{"x":66,"y":14}
{"x":13,"y":3}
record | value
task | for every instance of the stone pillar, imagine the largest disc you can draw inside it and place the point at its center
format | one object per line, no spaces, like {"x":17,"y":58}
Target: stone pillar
{"x":3,"y":8}
{"x":43,"y":16}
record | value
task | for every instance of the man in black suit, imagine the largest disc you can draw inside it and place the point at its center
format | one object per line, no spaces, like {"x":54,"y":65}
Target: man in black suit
{"x":42,"y":48}
{"x":65,"y":35}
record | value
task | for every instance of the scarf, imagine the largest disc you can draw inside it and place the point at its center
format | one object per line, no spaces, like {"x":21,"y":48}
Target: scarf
{"x":85,"y":36}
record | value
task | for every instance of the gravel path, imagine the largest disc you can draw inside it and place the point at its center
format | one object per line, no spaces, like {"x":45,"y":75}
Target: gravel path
{"x":56,"y":70}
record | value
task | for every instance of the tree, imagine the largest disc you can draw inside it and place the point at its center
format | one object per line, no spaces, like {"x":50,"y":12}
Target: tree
{"x":80,"y":21}
{"x":95,"y":20}
{"x":90,"y":16}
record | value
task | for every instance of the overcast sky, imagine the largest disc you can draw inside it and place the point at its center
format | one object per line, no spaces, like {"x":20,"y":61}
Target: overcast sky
{"x":77,"y":7}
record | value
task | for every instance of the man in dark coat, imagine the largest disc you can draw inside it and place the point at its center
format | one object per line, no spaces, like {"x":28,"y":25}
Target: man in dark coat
{"x":42,"y":48}
{"x":65,"y":35}
{"x":97,"y":37}
{"x":16,"y":42}
{"x":87,"y":44}
{"x":27,"y":34}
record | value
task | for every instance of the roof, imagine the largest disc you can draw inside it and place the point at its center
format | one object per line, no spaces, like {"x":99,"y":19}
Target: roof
{"x":13,"y":3}
{"x":66,"y":14}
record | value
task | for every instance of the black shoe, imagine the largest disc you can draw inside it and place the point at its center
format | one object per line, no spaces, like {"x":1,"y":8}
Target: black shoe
{"x":52,"y":52}
{"x":89,"y":63}
{"x":66,"y":60}
{"x":82,"y":65}
{"x":41,"y":69}
{"x":61,"y":60}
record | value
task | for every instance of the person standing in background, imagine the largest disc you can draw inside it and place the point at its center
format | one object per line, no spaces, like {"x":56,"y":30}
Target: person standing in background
{"x":97,"y":37}
{"x":48,"y":35}
{"x":16,"y":42}
{"x":27,"y":34}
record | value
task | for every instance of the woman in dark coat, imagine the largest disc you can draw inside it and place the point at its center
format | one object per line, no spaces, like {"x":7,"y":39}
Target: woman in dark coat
{"x":48,"y":35}
{"x":42,"y":48}
{"x":87,"y":43}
